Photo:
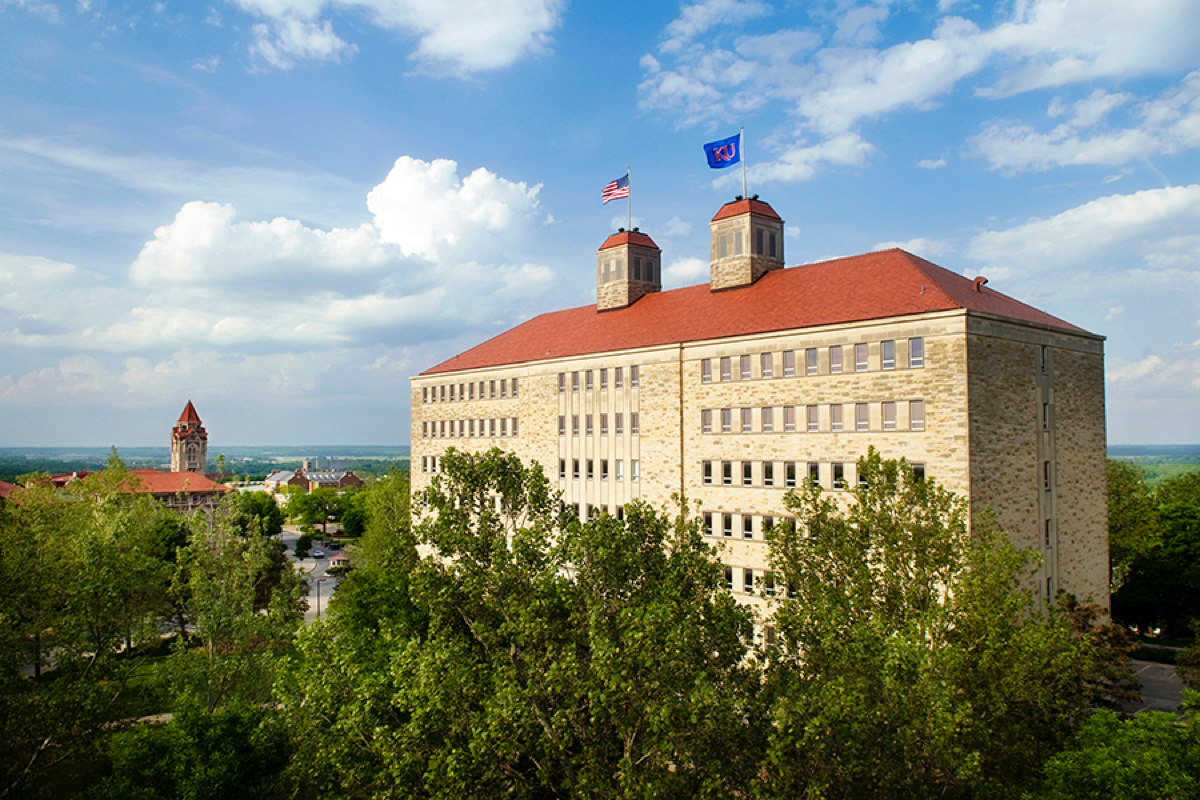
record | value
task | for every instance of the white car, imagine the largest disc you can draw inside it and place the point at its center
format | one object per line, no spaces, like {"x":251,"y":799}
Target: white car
{"x":318,"y":554}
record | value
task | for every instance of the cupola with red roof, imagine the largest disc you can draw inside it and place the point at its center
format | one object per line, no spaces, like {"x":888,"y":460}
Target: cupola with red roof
{"x":745,"y":241}
{"x":189,"y":442}
{"x":628,"y":267}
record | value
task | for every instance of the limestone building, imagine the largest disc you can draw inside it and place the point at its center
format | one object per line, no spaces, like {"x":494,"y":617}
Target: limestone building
{"x":736,"y":391}
{"x":189,"y":442}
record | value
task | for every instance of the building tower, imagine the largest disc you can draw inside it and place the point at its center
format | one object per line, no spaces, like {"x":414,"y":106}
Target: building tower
{"x":745,"y":241}
{"x":189,"y":442}
{"x":628,"y":267}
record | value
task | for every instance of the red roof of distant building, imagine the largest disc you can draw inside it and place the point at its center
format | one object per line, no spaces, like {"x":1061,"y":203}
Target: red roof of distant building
{"x":189,"y":414}
{"x":889,"y":283}
{"x":628,"y":237}
{"x":7,"y":488}
{"x":154,"y":482}
{"x":736,"y":207}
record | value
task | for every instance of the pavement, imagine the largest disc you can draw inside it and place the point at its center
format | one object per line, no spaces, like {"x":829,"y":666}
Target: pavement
{"x":1162,"y":690}
{"x":320,"y":585}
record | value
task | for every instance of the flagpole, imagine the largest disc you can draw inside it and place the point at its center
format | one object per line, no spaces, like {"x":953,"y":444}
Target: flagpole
{"x":745,"y":192}
{"x":629,"y":200}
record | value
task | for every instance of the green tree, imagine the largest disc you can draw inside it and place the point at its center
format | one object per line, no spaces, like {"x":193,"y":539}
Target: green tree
{"x":909,"y":660}
{"x":527,"y":656}
{"x":255,"y":513}
{"x":1133,"y":528}
{"x":1162,"y":589}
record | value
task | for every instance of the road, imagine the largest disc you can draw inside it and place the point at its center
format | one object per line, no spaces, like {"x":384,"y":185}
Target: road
{"x":314,"y":569}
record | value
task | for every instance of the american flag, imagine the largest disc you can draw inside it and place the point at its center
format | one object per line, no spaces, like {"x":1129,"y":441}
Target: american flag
{"x":616,"y":189}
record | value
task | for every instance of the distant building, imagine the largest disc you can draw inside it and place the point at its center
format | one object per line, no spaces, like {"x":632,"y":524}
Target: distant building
{"x":325,"y":464}
{"x":276,"y":481}
{"x":732,"y":393}
{"x":6,"y":489}
{"x":189,"y":442}
{"x":182,"y":491}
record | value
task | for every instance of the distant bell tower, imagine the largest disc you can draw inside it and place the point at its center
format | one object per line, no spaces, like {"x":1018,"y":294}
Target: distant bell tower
{"x":189,"y":442}
{"x":628,"y":266}
{"x":745,"y":241}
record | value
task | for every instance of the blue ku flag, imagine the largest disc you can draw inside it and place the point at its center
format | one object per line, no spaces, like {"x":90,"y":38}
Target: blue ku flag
{"x":724,"y":153}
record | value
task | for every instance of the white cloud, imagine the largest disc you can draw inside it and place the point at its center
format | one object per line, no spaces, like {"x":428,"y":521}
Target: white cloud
{"x":698,"y":18}
{"x":800,"y":161}
{"x":1155,"y":371}
{"x":677,"y":227}
{"x":1113,"y":313}
{"x":209,"y":64}
{"x":926,"y":248}
{"x":459,"y":37}
{"x":685,"y":272}
{"x":929,"y":163}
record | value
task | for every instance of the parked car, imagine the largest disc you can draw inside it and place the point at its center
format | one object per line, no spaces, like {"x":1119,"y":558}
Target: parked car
{"x":318,"y":554}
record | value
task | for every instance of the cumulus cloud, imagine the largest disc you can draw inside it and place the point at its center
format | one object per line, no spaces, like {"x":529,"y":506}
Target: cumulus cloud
{"x":685,"y":272}
{"x":929,"y":163}
{"x":926,"y":248}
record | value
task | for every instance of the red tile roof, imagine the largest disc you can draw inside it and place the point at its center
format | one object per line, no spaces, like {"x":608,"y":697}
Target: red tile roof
{"x":154,"y":482}
{"x":189,"y":414}
{"x":6,"y":489}
{"x":628,"y":237}
{"x":736,"y":207}
{"x":889,"y":283}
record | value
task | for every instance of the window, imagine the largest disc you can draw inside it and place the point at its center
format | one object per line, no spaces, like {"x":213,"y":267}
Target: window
{"x":591,"y":471}
{"x":726,"y":369}
{"x":425,"y":398}
{"x":835,"y":417}
{"x":452,"y":393}
{"x":758,"y":241}
{"x":748,"y":581}
{"x":424,"y":430}
{"x":862,"y":417}
{"x":634,"y":471}
{"x":887,"y":354}
{"x":604,"y":379}
{"x":813,"y":419}
{"x":789,"y":419}
{"x":633,"y":422}
{"x":726,"y":420}
{"x":706,"y":420}
{"x":769,"y":591}
{"x":619,"y":423}
{"x":706,"y":370}
{"x":916,"y":415}
{"x":889,"y":416}
{"x":839,"y":476}
{"x":619,"y":377}
{"x":492,"y":390}
{"x":562,"y":468}
{"x":620,"y":472}
{"x":1045,"y":359}
{"x":588,"y":380}
{"x":637,"y":270}
{"x":860,"y":357}
{"x":708,"y":523}
{"x":482,"y":389}
{"x":1045,"y":416}
{"x":471,"y":390}
{"x":771,"y":249}
{"x":729,"y":579}
{"x":727,"y":473}
{"x":767,"y":524}
{"x":471,"y":427}
{"x":916,"y":352}
{"x":767,"y":364}
{"x":604,"y":424}
{"x":747,"y":526}
{"x":503,"y":388}
{"x":737,"y":243}
{"x":621,"y":512}
{"x":722,"y":245}
{"x":707,"y":471}
{"x":745,"y":368}
{"x":587,"y":421}
{"x":768,"y":420}
{"x":562,"y":425}
{"x":635,"y":376}
{"x":727,"y":525}
{"x":835,"y":359}
{"x":1046,"y":475}
{"x":810,"y":361}
{"x":442,"y":428}
{"x":768,"y":469}
{"x":574,"y":381}
{"x":747,"y":473}
{"x":514,"y":426}
{"x":789,"y":363}
{"x":1047,"y":533}
{"x":442,"y":393}
{"x":504,"y":426}
{"x":789,"y":474}
{"x":574,"y":424}
{"x":575,"y":468}
{"x":814,"y":473}
{"x":424,"y":464}
{"x":918,"y":472}
{"x":747,"y":421}
{"x":462,"y":428}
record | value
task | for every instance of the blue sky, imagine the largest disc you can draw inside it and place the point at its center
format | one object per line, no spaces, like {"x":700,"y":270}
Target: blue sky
{"x":282,"y":209}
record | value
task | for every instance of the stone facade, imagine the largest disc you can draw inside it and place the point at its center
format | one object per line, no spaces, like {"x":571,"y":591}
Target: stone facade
{"x":189,"y":442}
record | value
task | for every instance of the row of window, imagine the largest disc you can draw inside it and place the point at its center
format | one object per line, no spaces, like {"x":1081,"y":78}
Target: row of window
{"x":594,"y":377}
{"x":781,"y":474}
{"x":764,"y":243}
{"x":465,"y":428}
{"x":589,"y":426}
{"x":782,"y":419}
{"x":767,"y":587}
{"x":743,"y":369}
{"x":635,"y":470}
{"x":485,"y":390}
{"x":639,"y":270}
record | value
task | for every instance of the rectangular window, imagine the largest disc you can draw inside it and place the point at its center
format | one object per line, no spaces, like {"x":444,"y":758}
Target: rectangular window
{"x":492,"y":427}
{"x":726,"y":420}
{"x":562,"y":425}
{"x":727,"y":525}
{"x":633,"y":422}
{"x":767,"y":364}
{"x":562,"y":468}
{"x":707,"y":471}
{"x":425,"y":397}
{"x":618,"y":377}
{"x":768,"y":469}
{"x":745,"y":368}
{"x":503,"y":388}
{"x":789,"y":474}
{"x":635,"y":472}
{"x":1047,"y":533}
{"x":424,"y":430}
{"x":452,"y":393}
{"x":839,"y":476}
{"x":769,"y":591}
{"x":814,"y":417}
{"x":722,"y":245}
{"x":442,"y":393}
{"x":574,"y":381}
{"x":575,"y":468}
{"x":504,"y":426}
{"x":747,"y":473}
{"x":758,"y":241}
{"x":887,"y":354}
{"x":424,"y":464}
{"x":1046,"y":475}
{"x":835,"y":417}
{"x":747,"y":526}
{"x":462,"y":427}
{"x":737,"y":243}
{"x":1045,"y":416}
{"x":814,"y":473}
{"x":768,"y":420}
{"x":588,"y":422}
{"x":747,"y":421}
{"x":620,"y":472}
{"x":789,"y":363}
{"x":726,"y":369}
{"x":771,"y":249}
{"x":635,"y":378}
{"x":727,"y":473}
{"x":637,"y":269}
{"x":835,"y":359}
{"x":482,"y":389}
{"x":706,"y":421}
{"x":862,"y":417}
{"x":574,"y":424}
{"x":767,"y":524}
{"x":588,"y":380}
{"x":748,"y":581}
{"x":708,"y":523}
{"x":916,"y":415}
{"x":860,"y":357}
{"x":916,"y":353}
{"x":471,"y":427}
{"x":918,"y":471}
{"x":471,"y":390}
{"x":619,"y":423}
{"x":810,"y":361}
{"x":442,"y":429}
{"x":706,"y":370}
{"x":889,"y":416}
{"x":789,"y":419}
{"x":604,"y":424}
{"x":604,"y":379}
{"x":591,"y":471}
